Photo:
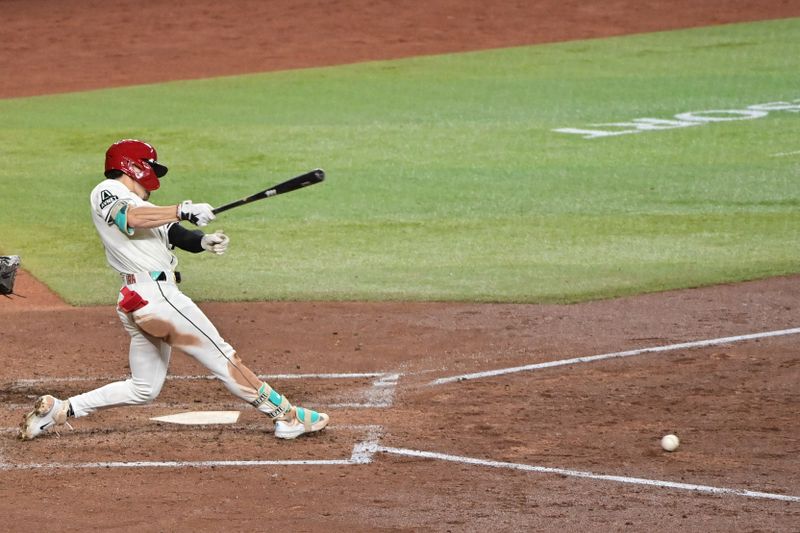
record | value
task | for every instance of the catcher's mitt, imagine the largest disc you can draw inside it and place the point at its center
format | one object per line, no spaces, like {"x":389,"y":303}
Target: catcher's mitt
{"x":9,"y":264}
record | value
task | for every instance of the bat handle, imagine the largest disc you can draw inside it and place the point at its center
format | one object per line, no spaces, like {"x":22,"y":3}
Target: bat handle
{"x":221,"y":209}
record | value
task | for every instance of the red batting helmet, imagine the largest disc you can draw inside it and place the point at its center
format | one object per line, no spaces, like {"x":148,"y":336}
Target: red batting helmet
{"x":136,"y":159}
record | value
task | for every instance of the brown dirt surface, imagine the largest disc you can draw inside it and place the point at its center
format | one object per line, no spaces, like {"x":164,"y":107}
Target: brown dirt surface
{"x":30,"y":293}
{"x":53,"y":46}
{"x":733,"y":404}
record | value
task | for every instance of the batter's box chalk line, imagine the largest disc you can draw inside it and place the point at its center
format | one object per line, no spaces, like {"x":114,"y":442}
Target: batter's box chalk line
{"x":587,"y":475}
{"x":266,"y":377}
{"x":379,"y":395}
{"x":364,"y":451}
{"x":361,"y":454}
{"x":617,"y":355}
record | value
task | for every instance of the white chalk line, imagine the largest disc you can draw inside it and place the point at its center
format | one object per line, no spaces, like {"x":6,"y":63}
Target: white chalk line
{"x":380,"y":395}
{"x":365,"y":450}
{"x":616,"y":355}
{"x":588,"y":475}
{"x":171,"y":464}
{"x":784,"y":154}
{"x":216,"y":405}
{"x":78,"y":379}
{"x":166,"y":426}
{"x":253,"y":425}
{"x":362,"y":453}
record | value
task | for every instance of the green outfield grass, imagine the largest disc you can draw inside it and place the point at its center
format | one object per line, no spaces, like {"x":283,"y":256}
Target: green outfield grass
{"x":445,"y":180}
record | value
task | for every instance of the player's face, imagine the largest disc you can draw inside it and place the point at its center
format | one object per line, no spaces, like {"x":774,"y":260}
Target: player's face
{"x":140,"y":191}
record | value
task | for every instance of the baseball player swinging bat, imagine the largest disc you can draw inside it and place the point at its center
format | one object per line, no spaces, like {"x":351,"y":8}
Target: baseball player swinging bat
{"x":138,"y":238}
{"x":298,"y":182}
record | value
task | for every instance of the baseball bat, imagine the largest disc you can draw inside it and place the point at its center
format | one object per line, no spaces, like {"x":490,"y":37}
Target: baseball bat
{"x":298,"y":182}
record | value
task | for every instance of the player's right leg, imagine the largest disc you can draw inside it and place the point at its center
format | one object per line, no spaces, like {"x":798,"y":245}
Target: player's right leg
{"x":290,"y":421}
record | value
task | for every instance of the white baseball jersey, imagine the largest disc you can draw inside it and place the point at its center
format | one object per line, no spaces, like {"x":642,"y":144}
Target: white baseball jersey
{"x":129,"y":250}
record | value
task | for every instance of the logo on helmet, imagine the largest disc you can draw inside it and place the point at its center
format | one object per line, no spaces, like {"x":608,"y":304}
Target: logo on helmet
{"x":139,"y":174}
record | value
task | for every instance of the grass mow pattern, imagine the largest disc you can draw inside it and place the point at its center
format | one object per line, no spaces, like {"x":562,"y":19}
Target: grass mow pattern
{"x":445,"y":179}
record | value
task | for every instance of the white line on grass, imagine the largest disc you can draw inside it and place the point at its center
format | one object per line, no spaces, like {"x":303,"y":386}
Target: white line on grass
{"x":615,"y":355}
{"x":784,"y":154}
{"x":588,"y":475}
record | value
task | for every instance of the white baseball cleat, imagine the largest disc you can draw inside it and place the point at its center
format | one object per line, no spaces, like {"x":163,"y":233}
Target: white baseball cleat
{"x":299,"y":421}
{"x":48,"y":413}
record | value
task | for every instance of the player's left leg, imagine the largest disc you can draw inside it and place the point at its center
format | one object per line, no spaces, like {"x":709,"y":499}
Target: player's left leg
{"x":191,"y":331}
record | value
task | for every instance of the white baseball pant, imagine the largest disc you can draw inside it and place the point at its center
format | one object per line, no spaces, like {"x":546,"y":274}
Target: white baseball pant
{"x":171,"y":319}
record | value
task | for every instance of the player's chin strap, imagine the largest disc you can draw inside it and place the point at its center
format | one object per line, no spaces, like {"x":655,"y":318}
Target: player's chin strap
{"x":276,"y":404}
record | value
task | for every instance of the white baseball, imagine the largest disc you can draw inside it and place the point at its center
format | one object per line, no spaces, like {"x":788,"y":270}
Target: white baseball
{"x":670,"y":442}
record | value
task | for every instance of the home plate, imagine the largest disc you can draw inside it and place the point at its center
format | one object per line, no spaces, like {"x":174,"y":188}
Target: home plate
{"x":191,"y":418}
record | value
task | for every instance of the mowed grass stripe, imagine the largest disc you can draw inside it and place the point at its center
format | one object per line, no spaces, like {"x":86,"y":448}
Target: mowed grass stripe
{"x":445,"y":179}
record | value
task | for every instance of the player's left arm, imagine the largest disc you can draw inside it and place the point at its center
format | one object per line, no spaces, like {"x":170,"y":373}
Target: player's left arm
{"x":196,"y":241}
{"x":151,"y":217}
{"x":128,"y":216}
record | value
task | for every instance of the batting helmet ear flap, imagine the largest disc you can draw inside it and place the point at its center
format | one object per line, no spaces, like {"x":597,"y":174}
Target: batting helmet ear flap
{"x":140,"y":171}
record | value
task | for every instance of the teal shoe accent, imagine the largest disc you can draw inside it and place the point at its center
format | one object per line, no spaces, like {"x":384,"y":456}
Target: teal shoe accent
{"x":301,"y":415}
